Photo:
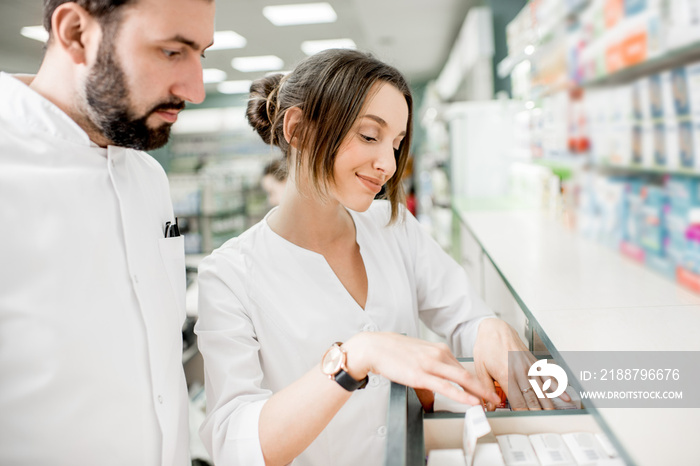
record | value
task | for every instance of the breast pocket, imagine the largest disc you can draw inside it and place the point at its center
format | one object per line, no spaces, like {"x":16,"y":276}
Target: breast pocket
{"x":172,"y":252}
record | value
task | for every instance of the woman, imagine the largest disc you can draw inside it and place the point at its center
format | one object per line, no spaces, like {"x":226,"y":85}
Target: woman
{"x":332,"y":265}
{"x":274,"y":179}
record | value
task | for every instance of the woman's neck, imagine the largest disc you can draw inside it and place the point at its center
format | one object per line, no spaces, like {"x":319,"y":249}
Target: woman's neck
{"x":311,"y":223}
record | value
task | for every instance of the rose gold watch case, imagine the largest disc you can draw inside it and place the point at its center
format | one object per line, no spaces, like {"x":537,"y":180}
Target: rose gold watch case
{"x":333,"y":360}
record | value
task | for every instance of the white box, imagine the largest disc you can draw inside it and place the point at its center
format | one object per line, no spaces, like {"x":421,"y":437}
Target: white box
{"x":517,"y":450}
{"x":551,"y":450}
{"x":584,"y":448}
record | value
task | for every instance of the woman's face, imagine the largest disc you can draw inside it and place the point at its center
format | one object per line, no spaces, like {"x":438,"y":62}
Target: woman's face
{"x":274,"y":189}
{"x":366,"y":158}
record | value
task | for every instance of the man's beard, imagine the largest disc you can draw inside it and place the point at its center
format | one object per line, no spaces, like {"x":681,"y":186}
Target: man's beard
{"x":108,"y":105}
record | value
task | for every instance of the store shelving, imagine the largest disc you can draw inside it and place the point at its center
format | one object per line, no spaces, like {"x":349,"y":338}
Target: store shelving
{"x":669,"y":59}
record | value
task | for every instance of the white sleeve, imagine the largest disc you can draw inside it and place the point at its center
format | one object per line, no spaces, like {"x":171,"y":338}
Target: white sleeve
{"x":447,"y":302}
{"x":227,"y":341}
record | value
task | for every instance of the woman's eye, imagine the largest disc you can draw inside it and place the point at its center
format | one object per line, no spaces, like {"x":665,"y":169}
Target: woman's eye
{"x":368,"y":138}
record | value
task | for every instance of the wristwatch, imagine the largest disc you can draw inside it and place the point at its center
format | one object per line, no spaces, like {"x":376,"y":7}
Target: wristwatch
{"x":333,"y":365}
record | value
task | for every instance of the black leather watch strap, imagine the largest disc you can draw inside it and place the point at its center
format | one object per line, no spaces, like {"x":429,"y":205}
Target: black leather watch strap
{"x":346,"y":381}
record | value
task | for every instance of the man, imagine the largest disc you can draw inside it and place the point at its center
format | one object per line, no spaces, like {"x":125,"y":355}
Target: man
{"x":92,"y":283}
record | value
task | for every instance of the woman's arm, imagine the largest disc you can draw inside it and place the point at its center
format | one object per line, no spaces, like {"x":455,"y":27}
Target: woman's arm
{"x":293,"y":417}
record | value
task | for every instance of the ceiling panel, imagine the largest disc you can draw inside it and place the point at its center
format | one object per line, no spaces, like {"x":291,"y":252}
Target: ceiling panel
{"x":413,"y":35}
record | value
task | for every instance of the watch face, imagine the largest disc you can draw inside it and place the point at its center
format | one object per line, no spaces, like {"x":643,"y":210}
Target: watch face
{"x":332,"y":361}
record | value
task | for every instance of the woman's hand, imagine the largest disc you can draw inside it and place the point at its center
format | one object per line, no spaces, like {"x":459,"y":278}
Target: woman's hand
{"x":415,"y":363}
{"x":494,"y":341}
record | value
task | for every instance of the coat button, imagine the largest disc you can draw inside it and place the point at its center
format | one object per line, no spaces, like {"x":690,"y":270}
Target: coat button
{"x":381,"y":431}
{"x":160,"y":399}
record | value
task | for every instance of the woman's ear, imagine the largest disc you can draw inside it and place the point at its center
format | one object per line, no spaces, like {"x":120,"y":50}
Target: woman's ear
{"x":70,"y":24}
{"x":292,"y":118}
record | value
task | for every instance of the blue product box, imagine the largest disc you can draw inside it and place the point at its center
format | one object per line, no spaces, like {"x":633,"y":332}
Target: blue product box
{"x":633,"y":7}
{"x":659,"y":144}
{"x":685,"y":144}
{"x":655,"y":96}
{"x":681,"y":94}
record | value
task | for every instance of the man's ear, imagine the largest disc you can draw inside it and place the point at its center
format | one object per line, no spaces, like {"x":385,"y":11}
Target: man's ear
{"x":70,"y":26}
{"x":292,"y":118}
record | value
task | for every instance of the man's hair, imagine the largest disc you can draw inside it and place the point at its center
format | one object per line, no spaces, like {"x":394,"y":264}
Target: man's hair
{"x":105,"y":11}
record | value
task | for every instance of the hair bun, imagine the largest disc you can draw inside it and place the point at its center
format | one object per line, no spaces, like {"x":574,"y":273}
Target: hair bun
{"x":262,"y":105}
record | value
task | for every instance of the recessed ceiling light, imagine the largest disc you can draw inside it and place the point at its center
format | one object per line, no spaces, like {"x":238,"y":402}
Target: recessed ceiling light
{"x":301,"y":13}
{"x":261,"y":63}
{"x":35,"y":32}
{"x":228,"y":40}
{"x":234,"y":87}
{"x":311,"y":47}
{"x":213,"y":75}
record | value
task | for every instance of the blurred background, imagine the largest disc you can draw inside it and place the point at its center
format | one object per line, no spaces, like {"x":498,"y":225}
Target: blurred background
{"x":588,"y":109}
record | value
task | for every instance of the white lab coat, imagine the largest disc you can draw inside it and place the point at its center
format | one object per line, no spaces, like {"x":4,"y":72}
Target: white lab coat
{"x":91,"y":297}
{"x":269,"y":309}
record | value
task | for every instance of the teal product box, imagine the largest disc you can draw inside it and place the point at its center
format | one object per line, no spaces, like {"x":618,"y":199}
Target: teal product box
{"x":683,"y":193}
{"x":661,"y":264}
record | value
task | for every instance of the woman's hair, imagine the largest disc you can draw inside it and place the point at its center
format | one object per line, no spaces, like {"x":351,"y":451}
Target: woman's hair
{"x":330,"y":89}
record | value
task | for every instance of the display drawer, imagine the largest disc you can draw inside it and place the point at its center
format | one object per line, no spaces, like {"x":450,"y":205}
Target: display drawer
{"x":413,"y":433}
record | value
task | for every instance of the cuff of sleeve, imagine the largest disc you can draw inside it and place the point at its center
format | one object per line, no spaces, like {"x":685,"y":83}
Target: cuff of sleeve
{"x":242,"y":441}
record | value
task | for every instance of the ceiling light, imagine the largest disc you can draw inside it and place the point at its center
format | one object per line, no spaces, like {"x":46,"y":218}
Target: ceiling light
{"x":301,"y":13}
{"x":311,"y":47}
{"x":234,"y":87}
{"x":213,"y":75}
{"x":35,"y":32}
{"x":262,"y":63}
{"x":228,"y":40}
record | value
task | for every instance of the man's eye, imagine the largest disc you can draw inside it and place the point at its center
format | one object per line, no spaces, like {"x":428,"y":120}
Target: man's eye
{"x":170,"y":53}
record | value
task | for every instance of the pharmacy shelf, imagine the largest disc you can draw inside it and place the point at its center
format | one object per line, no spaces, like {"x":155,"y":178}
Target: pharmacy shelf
{"x":639,"y":169}
{"x":583,"y":296}
{"x":671,"y":59}
{"x":505,"y":66}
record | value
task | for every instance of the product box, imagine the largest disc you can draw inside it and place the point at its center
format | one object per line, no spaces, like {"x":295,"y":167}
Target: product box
{"x":683,"y":26}
{"x":659,"y":138}
{"x":478,"y":441}
{"x":688,"y":140}
{"x":584,"y":447}
{"x":656,"y":96}
{"x":551,"y":450}
{"x":681,"y":94}
{"x":671,"y":141}
{"x":641,"y":100}
{"x":692,"y":76}
{"x":517,"y":450}
{"x":667,"y":96}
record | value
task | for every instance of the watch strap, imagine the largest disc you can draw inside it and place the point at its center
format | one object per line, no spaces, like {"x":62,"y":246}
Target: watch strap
{"x":346,"y":381}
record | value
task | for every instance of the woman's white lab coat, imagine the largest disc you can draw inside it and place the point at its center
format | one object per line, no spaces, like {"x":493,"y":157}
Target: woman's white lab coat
{"x":269,"y":309}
